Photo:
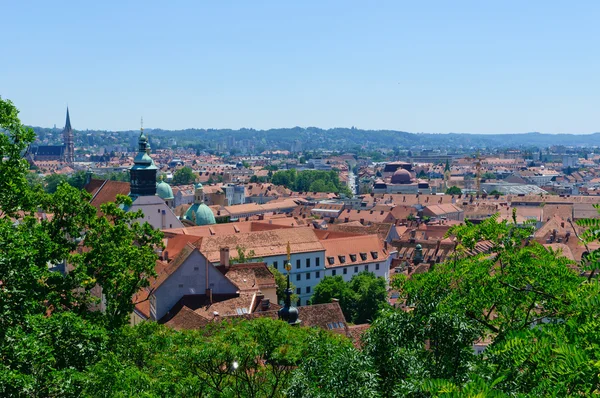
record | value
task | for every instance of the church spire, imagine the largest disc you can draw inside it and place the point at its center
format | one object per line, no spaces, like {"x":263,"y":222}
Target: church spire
{"x":69,"y":142}
{"x":68,"y":122}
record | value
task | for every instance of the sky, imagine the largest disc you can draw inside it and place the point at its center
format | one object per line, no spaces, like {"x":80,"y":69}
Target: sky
{"x":417,"y":66}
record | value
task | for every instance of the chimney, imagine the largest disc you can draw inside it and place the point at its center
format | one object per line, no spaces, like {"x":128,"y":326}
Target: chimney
{"x":209,"y":295}
{"x":362,"y":221}
{"x":334,"y":300}
{"x":265,"y":304}
{"x":224,"y":260}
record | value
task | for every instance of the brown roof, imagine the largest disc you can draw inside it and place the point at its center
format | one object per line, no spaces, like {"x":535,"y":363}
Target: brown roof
{"x":227,"y":228}
{"x":250,"y":276}
{"x":104,"y":191}
{"x":354,"y":250}
{"x":355,"y":332}
{"x":381,"y":229}
{"x":263,"y":243}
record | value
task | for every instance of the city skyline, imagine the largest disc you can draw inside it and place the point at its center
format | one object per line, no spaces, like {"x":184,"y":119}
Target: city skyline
{"x":466,"y":67}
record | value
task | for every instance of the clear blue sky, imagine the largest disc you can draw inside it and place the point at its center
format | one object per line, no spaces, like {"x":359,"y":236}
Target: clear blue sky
{"x":435,"y":66}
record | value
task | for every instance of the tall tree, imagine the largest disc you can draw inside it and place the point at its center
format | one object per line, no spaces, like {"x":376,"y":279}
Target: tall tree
{"x":184,"y":176}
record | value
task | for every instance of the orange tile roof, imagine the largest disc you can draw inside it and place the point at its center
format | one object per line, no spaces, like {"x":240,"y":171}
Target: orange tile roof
{"x":107,"y":191}
{"x":353,"y":250}
{"x":263,"y":243}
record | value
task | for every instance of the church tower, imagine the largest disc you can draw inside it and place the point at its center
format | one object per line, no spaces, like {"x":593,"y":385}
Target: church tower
{"x":143,"y":173}
{"x":69,"y":151}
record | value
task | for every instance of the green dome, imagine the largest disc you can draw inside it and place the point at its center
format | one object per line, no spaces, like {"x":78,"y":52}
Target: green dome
{"x":201,"y":214}
{"x":198,"y":186}
{"x":164,"y":191}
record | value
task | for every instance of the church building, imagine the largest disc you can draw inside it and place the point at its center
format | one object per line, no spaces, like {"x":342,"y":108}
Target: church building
{"x":64,"y":153}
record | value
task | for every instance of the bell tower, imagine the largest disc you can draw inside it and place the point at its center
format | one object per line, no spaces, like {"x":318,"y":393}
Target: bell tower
{"x":143,"y":173}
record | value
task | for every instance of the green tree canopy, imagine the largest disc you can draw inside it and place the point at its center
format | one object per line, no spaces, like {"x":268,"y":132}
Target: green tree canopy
{"x":360,"y":299}
{"x":184,"y":176}
{"x":453,"y":190}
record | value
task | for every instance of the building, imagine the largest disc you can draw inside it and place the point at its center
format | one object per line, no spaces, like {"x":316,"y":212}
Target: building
{"x":199,"y":213}
{"x":144,"y":190}
{"x":235,"y":194}
{"x":398,"y":178}
{"x":64,"y":153}
{"x":311,"y":252}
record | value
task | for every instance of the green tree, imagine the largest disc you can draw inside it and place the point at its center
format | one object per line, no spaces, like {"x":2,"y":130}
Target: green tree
{"x":35,"y":181}
{"x":52,"y":182}
{"x":453,"y":190}
{"x":360,"y":299}
{"x":77,"y":179}
{"x":370,"y":295}
{"x":184,"y":176}
{"x":281,"y":281}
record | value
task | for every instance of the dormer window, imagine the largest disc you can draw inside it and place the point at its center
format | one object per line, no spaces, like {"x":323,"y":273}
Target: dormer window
{"x":374,"y":255}
{"x":353,"y":257}
{"x":342,"y":259}
{"x":363,"y":256}
{"x":331,"y":260}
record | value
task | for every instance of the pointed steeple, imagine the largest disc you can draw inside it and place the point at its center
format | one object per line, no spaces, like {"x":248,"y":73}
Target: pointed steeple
{"x":68,"y":122}
{"x":68,"y":140}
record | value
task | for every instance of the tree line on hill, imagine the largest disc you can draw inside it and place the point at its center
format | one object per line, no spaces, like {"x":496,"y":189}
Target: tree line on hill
{"x":536,"y":309}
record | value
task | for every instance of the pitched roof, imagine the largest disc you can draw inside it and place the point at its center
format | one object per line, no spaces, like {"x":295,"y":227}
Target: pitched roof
{"x":263,"y":243}
{"x":104,"y":191}
{"x":353,"y":250}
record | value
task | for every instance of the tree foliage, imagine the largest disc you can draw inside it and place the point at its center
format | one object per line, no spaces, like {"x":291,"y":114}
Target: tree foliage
{"x":281,"y":281}
{"x":311,"y":181}
{"x":184,"y":176}
{"x":453,"y":190}
{"x":361,"y":298}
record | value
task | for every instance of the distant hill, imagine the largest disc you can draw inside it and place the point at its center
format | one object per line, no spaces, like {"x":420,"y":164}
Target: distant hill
{"x":348,"y":138}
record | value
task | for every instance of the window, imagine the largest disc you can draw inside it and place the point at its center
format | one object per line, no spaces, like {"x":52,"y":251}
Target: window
{"x":298,"y":290}
{"x":308,"y":275}
{"x":345,"y":271}
{"x":307,"y":289}
{"x":374,"y":255}
{"x":181,"y":285}
{"x":342,"y":259}
{"x":317,"y":261}
{"x":275,"y":264}
{"x":356,"y":270}
{"x":363,"y":256}
{"x":331,"y":260}
{"x":298,"y":277}
{"x":196,"y":268}
{"x":353,"y":257}
{"x":317,"y":274}
{"x":307,"y":262}
{"x":333,"y":273}
{"x":298,"y":264}
{"x":376,"y":267}
{"x":367,"y":267}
